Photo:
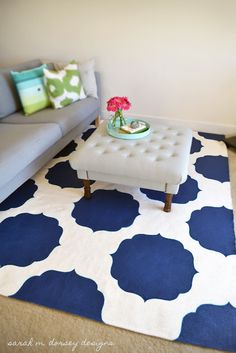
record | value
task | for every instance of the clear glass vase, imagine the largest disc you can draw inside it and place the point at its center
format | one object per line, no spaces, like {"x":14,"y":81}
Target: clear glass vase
{"x":118,"y":119}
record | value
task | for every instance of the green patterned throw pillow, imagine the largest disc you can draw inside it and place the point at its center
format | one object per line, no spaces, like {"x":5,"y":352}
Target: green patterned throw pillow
{"x":65,"y":86}
{"x":30,"y":87}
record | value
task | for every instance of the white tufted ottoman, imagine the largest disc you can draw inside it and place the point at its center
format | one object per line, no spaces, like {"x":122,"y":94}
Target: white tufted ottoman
{"x":158,"y":161}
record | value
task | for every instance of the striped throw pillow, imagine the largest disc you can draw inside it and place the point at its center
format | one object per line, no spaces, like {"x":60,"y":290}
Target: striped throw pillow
{"x":31,"y":89}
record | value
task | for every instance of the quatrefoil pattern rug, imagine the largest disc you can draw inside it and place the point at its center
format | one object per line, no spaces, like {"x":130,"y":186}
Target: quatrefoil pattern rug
{"x":118,"y":258}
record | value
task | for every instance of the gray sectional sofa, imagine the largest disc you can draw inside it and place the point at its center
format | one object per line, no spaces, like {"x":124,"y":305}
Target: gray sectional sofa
{"x":28,"y":142}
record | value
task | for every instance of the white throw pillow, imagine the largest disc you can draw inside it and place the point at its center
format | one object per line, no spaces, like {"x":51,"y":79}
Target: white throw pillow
{"x":88,"y":78}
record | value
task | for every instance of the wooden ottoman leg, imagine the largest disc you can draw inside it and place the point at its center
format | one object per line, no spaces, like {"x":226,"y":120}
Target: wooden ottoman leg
{"x":97,"y":121}
{"x":168,"y":201}
{"x":87,"y":190}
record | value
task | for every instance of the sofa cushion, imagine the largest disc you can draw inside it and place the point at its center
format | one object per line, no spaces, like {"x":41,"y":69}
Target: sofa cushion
{"x":22,"y":144}
{"x":67,"y":118}
{"x":9,"y":100}
{"x":31,"y":89}
{"x":65,"y":86}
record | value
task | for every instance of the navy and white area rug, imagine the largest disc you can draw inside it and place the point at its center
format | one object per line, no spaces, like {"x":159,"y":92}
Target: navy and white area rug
{"x":119,"y":259}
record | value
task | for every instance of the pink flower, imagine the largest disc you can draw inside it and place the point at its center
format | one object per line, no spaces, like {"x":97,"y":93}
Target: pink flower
{"x":125,"y":103}
{"x":116,"y":103}
{"x":111,"y":107}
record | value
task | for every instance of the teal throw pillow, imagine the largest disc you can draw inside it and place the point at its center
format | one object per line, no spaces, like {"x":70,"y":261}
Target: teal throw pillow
{"x":31,"y":89}
{"x":64,"y":86}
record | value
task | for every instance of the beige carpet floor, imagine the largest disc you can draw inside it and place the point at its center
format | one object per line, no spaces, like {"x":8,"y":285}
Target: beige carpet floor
{"x":43,"y":328}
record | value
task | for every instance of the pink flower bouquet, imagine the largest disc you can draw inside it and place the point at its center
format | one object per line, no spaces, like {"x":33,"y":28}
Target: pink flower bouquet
{"x":117,"y":105}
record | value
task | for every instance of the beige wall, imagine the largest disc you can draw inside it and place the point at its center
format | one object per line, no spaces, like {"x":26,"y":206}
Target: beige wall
{"x":172,"y":58}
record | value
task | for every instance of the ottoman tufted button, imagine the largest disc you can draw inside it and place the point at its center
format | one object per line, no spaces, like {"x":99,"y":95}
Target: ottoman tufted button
{"x":125,"y":155}
{"x":100,"y":152}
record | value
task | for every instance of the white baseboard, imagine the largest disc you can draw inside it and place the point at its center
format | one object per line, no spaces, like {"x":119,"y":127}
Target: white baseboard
{"x":215,"y":128}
